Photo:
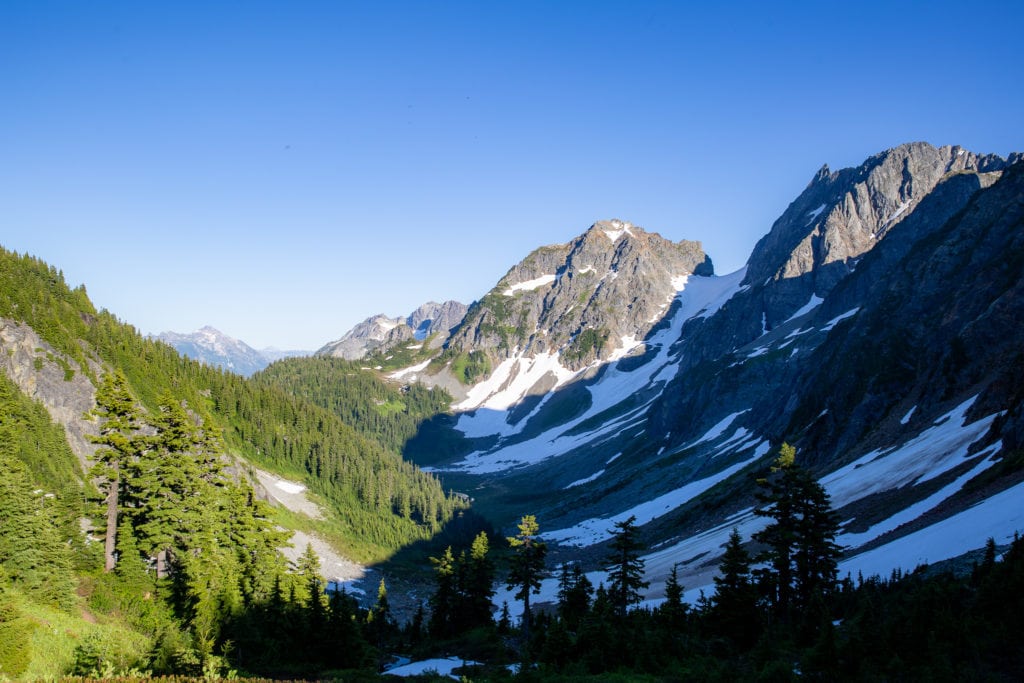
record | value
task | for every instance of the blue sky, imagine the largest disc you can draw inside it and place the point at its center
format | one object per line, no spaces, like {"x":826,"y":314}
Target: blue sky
{"x":282,"y":170}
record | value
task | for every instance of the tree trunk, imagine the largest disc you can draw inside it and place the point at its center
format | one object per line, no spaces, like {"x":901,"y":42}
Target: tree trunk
{"x":110,"y":540}
{"x":161,"y":564}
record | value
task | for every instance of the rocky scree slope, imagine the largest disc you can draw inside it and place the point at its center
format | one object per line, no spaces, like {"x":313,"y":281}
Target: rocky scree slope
{"x":876,"y":327}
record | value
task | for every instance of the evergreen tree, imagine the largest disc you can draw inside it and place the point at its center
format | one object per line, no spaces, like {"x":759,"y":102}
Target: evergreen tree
{"x":169,"y":487}
{"x":673,"y":610}
{"x":625,"y":567}
{"x":733,"y":611}
{"x":379,"y":618}
{"x":347,"y":648}
{"x":574,"y":593}
{"x":119,"y":447}
{"x":801,"y":549}
{"x":527,"y":568}
{"x":31,"y":552}
{"x":444,"y":600}
{"x":479,"y":587}
{"x":504,"y":619}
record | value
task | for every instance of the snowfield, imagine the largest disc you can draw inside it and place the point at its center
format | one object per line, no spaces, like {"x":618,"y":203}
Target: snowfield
{"x":938,"y":449}
{"x":595,"y":530}
{"x":492,"y":399}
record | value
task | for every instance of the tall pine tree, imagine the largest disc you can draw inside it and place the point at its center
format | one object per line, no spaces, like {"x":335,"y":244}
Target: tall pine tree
{"x":119,"y":446}
{"x":625,"y":567}
{"x":801,"y":551}
{"x":527,"y":568}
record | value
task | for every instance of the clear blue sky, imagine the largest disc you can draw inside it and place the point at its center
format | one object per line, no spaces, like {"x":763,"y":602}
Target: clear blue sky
{"x":282,"y":170}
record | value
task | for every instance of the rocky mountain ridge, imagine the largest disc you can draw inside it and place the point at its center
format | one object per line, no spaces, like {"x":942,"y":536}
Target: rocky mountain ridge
{"x":615,"y":280}
{"x":429,"y":323}
{"x":874,"y":326}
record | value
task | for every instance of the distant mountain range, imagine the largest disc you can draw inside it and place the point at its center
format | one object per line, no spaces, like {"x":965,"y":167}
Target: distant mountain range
{"x":212,"y":347}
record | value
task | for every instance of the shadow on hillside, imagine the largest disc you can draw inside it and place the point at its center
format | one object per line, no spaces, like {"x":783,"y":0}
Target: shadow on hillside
{"x":408,"y":573}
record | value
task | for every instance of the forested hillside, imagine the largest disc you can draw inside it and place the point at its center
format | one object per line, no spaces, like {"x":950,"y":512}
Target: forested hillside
{"x":375,"y":408}
{"x":383,"y":501}
{"x":160,"y":556}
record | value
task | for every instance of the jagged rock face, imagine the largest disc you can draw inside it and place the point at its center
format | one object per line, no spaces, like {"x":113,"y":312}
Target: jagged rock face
{"x":32,"y":364}
{"x":367,"y":335}
{"x":435,"y":321}
{"x":916,"y":297}
{"x":431,"y":321}
{"x":840,"y":216}
{"x":587,"y":299}
{"x":213,"y":347}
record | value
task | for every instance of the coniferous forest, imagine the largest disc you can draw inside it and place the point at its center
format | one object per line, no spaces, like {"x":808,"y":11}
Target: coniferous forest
{"x":158,"y":558}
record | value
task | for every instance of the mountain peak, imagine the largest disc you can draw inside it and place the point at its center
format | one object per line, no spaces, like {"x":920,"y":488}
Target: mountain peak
{"x":211,"y":346}
{"x":614,"y":229}
{"x":841,"y":215}
{"x":591,"y":299}
{"x":431,"y":320}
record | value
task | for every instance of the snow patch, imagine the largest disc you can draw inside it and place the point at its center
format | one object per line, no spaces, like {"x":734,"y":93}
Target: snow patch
{"x":843,"y":316}
{"x":906,"y":418}
{"x":718,"y":429}
{"x":510,"y":381}
{"x":811,"y":304}
{"x":759,"y":351}
{"x":919,"y":508}
{"x":587,"y":480}
{"x":535,"y":283}
{"x":289,"y":486}
{"x":811,"y":215}
{"x":617,"y":230}
{"x":412,"y":370}
{"x":443,"y":667}
{"x":899,"y":211}
{"x":931,"y":453}
{"x":997,"y":517}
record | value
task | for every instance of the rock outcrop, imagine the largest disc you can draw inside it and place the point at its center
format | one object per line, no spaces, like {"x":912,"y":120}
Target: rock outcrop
{"x":46,"y":375}
{"x":586,"y":300}
{"x":430,"y":323}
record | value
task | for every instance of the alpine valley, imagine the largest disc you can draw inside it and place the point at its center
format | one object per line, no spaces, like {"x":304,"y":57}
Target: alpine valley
{"x":612,"y":396}
{"x":876,"y":327}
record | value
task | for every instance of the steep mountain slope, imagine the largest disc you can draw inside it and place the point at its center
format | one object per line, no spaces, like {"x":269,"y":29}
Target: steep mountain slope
{"x":876,"y":327}
{"x":430,"y":323}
